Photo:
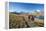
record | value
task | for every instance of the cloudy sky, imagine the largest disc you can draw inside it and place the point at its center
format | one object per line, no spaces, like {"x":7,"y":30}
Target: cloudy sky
{"x":25,"y":7}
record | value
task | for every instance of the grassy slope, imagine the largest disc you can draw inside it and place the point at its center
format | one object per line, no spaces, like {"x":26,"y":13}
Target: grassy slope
{"x":20,"y":22}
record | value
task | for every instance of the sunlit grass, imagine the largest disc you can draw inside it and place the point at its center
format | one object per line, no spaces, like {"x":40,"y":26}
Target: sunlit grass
{"x":20,"y":22}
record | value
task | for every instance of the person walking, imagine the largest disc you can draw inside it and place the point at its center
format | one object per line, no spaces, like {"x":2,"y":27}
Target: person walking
{"x":32,"y":18}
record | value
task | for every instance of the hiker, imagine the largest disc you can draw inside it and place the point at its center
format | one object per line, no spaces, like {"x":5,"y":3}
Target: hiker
{"x":32,"y":18}
{"x":28,"y":17}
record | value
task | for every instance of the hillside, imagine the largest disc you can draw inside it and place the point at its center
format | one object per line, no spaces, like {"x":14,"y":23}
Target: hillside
{"x":22,"y":21}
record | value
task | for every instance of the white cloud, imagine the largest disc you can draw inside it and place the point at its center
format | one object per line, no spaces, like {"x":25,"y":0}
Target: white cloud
{"x":38,"y":10}
{"x":10,"y":10}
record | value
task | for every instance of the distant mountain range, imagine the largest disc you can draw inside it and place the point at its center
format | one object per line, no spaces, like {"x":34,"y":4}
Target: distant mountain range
{"x":19,"y":12}
{"x":33,"y":12}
